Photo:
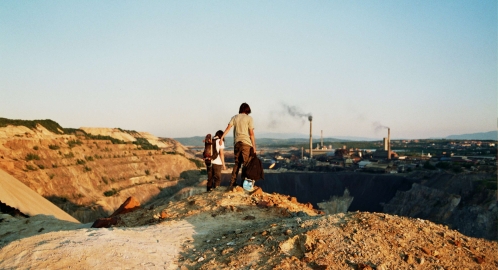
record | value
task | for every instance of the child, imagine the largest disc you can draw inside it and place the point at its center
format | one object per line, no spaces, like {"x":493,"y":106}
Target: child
{"x":214,"y":171}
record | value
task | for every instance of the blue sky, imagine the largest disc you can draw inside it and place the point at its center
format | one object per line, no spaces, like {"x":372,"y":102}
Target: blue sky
{"x":182,"y":68}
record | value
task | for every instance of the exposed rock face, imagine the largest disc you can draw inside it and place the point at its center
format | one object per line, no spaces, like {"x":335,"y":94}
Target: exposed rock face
{"x":455,"y":200}
{"x":423,"y":202}
{"x":368,"y":190}
{"x":472,"y":211}
{"x":90,"y":178}
{"x":337,"y":204}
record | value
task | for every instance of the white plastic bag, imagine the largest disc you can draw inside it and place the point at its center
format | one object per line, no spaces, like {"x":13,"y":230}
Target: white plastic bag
{"x":248,"y":184}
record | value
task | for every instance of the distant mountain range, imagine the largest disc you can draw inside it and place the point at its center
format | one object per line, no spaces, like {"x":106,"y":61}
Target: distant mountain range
{"x":490,"y":135}
{"x":276,"y":138}
{"x":297,"y":138}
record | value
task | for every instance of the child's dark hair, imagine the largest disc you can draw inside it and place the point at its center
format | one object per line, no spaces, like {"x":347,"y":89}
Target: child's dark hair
{"x":244,"y":108}
{"x":218,"y":134}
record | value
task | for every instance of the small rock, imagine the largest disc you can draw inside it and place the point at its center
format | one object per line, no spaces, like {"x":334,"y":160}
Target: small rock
{"x":480,"y":259}
{"x":421,"y":260}
{"x":363,"y":266}
{"x":288,"y":232}
{"x":321,"y":241}
{"x":409,"y":259}
{"x":238,"y":231}
{"x":382,"y":266}
{"x":426,"y":250}
{"x":200,"y":259}
{"x":232,"y":243}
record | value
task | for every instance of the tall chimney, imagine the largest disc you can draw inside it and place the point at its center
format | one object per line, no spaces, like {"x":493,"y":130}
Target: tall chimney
{"x":388,"y":143}
{"x":311,"y":138}
{"x":321,"y":140}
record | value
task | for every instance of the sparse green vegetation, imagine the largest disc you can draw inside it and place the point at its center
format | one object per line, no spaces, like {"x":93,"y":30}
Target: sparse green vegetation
{"x":35,"y":147}
{"x":73,"y":143}
{"x":145,"y":145}
{"x":31,"y":167}
{"x":69,"y":155}
{"x":87,"y":169}
{"x":89,"y":158}
{"x":429,"y":166}
{"x":31,"y":156}
{"x":486,"y":184}
{"x":147,"y":172}
{"x":41,"y":166}
{"x":106,"y":138}
{"x":53,"y":147}
{"x":80,"y":162}
{"x":443,"y":165}
{"x":110,"y":193}
{"x":198,"y":163}
{"x":73,"y":131}
{"x":50,"y":125}
{"x":104,"y":179}
{"x":51,"y":176}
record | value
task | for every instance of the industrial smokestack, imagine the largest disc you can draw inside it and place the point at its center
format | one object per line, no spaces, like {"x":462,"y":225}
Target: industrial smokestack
{"x":321,"y":140}
{"x":311,"y":137}
{"x":388,"y":143}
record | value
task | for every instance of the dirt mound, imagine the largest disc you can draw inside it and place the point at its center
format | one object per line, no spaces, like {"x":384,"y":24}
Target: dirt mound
{"x":15,"y":194}
{"x":274,"y":231}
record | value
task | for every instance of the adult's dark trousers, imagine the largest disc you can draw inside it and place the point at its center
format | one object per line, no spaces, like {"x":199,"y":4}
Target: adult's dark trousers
{"x":214,"y":176}
{"x":241,"y":153}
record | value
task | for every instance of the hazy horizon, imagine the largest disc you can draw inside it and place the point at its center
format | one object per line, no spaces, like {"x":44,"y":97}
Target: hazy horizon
{"x":179,"y":69}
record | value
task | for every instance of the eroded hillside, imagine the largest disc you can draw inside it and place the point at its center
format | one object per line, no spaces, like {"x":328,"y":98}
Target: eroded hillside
{"x":88,"y":173}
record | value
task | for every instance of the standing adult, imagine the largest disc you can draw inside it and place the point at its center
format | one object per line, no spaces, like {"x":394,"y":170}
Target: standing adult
{"x":214,"y":171}
{"x":243,"y":139}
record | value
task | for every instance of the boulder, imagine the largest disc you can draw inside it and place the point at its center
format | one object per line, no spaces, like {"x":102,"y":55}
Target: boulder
{"x":105,"y":222}
{"x":131,"y":204}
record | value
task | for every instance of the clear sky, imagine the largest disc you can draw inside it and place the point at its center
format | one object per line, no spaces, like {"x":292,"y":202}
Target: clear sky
{"x":182,"y":68}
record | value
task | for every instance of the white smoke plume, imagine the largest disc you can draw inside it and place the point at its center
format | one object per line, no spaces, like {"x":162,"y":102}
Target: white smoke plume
{"x":378,"y":126}
{"x":287,"y":110}
{"x":296,"y":112}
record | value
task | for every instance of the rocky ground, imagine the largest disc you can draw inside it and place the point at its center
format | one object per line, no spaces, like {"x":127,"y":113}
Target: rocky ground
{"x":238,"y":230}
